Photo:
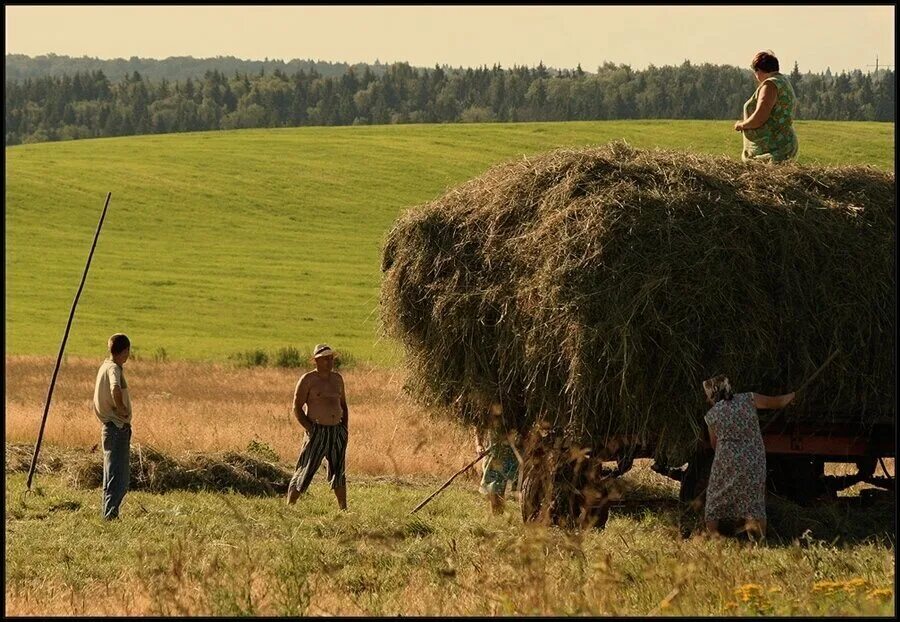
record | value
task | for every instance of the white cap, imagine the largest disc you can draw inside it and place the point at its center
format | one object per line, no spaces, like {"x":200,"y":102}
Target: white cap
{"x":322,"y":349}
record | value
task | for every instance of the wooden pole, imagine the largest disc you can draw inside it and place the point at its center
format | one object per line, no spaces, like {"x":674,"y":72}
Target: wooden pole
{"x":818,"y":371}
{"x":447,"y":483}
{"x":62,"y":346}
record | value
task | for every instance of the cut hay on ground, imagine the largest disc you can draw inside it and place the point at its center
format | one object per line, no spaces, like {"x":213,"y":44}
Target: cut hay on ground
{"x":17,"y":458}
{"x":154,"y":471}
{"x":597,"y":288}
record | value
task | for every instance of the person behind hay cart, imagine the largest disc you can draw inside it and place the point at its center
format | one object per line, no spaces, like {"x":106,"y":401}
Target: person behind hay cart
{"x":501,"y":466}
{"x":326,"y":424}
{"x":112,"y":405}
{"x":768,"y":120}
{"x":737,"y":482}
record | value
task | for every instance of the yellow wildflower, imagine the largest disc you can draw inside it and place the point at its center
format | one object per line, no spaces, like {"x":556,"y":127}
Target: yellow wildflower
{"x":853,"y":585}
{"x":883,"y":592}
{"x":748,"y":591}
{"x":752,"y":587}
{"x":826,"y":586}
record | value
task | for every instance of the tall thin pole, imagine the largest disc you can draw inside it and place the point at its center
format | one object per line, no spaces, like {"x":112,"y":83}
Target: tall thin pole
{"x":447,"y":483}
{"x":62,"y":346}
{"x":818,"y":371}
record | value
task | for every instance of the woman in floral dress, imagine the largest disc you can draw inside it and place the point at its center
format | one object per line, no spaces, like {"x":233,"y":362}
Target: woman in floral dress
{"x":768,"y":119}
{"x":737,"y":482}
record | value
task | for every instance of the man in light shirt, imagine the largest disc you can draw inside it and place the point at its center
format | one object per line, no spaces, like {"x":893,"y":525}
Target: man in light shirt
{"x":325,"y":422}
{"x":112,"y":405}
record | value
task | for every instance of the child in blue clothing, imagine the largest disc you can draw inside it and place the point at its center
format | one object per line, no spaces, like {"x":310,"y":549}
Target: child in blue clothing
{"x":500,"y":466}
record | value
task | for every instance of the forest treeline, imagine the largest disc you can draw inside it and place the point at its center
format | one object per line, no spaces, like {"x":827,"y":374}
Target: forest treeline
{"x":89,"y":104}
{"x":22,"y":66}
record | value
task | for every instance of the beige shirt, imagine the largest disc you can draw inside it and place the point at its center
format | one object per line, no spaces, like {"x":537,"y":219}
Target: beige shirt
{"x":109,"y":376}
{"x":322,"y":397}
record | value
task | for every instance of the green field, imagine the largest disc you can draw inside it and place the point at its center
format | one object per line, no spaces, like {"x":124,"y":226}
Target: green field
{"x":222,"y":242}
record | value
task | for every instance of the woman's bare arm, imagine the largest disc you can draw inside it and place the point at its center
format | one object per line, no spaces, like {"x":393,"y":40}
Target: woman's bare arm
{"x":767,"y":96}
{"x":772,"y":402}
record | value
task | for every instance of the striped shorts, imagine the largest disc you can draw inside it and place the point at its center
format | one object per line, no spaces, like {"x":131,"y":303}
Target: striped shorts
{"x":323,"y":441}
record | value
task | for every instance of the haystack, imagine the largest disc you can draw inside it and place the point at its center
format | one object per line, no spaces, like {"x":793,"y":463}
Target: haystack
{"x":153,"y":471}
{"x":595,"y":289}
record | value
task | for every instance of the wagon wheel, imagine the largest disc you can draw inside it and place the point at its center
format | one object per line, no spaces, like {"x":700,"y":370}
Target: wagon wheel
{"x":537,"y":466}
{"x":557,"y":490}
{"x":531,"y":495}
{"x":798,"y":478}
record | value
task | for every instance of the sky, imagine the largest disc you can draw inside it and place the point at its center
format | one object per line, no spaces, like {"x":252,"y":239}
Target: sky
{"x":837,"y":37}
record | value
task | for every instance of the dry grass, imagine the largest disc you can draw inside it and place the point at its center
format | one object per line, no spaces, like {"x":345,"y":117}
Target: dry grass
{"x":212,"y":554}
{"x":201,"y":407}
{"x":181,"y":407}
{"x":226,"y":555}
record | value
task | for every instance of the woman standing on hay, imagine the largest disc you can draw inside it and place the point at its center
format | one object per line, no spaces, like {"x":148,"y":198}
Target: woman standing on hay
{"x":768,"y":124}
{"x":737,"y":482}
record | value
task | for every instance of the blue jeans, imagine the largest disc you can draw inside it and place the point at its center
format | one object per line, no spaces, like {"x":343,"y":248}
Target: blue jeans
{"x":116,"y":467}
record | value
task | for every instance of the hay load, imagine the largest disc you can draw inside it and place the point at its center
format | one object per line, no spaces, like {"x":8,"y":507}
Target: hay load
{"x":595,"y":290}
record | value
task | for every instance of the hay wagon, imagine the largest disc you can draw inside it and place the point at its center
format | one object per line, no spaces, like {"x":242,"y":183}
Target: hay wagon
{"x":586,"y":294}
{"x":796,"y":454}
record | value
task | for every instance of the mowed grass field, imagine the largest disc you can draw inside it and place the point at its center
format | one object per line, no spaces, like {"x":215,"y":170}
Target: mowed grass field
{"x":214,"y":553}
{"x":222,"y":242}
{"x":219,"y":553}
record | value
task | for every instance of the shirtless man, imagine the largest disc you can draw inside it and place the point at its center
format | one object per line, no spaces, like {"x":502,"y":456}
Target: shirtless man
{"x":325,"y":422}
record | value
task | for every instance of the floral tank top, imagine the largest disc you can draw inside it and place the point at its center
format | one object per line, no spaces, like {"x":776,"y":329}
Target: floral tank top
{"x":775,"y":141}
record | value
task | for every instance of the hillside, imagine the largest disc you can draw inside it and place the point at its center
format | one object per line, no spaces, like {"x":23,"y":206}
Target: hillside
{"x":221,"y":242}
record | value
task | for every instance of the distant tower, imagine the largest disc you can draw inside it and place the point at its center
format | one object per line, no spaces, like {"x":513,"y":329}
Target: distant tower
{"x":876,"y":64}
